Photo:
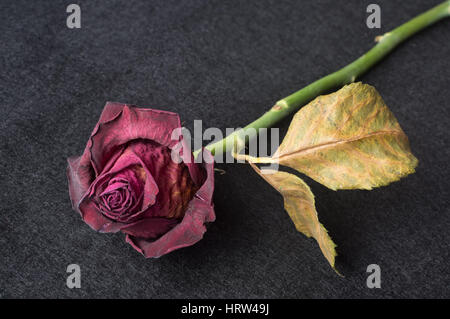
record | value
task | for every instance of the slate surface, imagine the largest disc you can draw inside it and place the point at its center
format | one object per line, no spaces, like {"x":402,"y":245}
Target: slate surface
{"x":224,"y":62}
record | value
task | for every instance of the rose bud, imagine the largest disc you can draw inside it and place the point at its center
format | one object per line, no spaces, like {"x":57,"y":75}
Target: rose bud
{"x":126,"y":180}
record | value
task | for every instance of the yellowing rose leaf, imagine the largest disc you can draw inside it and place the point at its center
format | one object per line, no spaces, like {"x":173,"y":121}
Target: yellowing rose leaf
{"x":299,"y":203}
{"x":347,"y":140}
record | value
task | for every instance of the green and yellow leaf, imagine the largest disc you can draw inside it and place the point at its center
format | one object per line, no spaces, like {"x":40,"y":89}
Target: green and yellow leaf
{"x":347,"y":140}
{"x":299,"y":203}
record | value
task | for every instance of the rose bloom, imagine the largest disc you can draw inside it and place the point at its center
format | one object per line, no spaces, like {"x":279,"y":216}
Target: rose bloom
{"x":126,"y":180}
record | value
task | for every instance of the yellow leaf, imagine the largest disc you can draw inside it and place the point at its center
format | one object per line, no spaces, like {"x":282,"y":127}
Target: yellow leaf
{"x":347,"y":140}
{"x":299,"y":203}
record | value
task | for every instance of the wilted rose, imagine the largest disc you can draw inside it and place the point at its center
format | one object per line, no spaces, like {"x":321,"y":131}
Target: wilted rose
{"x":127,"y":181}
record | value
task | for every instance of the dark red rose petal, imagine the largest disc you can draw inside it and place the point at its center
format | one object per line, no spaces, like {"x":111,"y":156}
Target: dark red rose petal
{"x":191,"y":229}
{"x":129,"y":159}
{"x":175,"y":184}
{"x":130,"y":168}
{"x":196,"y":170}
{"x":131,"y":124}
{"x":150,"y":228}
{"x":95,"y":219}
{"x":79,"y":175}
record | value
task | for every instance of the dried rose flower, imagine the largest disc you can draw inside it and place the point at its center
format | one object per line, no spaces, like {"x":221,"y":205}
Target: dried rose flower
{"x":126,"y":180}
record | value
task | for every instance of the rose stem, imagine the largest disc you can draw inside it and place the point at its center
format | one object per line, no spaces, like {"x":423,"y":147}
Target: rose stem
{"x":346,"y":75}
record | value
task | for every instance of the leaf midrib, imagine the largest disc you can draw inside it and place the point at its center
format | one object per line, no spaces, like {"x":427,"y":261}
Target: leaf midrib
{"x":326,"y":145}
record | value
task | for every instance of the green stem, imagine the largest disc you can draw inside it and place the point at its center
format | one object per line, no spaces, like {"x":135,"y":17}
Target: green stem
{"x":346,"y":75}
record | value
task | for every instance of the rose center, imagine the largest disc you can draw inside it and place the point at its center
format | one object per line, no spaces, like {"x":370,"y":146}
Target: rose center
{"x":119,"y":198}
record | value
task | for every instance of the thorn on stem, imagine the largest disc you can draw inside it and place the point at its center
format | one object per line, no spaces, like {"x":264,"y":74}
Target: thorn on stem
{"x":281,"y":104}
{"x":379,"y":38}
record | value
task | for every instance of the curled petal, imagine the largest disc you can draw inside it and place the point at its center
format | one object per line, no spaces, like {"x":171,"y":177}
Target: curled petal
{"x":131,"y":167}
{"x":98,"y":222}
{"x":190,"y":230}
{"x":195,"y":170}
{"x":150,"y":228}
{"x":79,"y":175}
{"x":206,"y":191}
{"x":176,"y":187}
{"x":187,"y":233}
{"x":130,"y":124}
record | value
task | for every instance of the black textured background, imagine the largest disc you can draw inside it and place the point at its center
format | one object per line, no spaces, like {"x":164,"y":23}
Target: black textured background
{"x":224,"y":62}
